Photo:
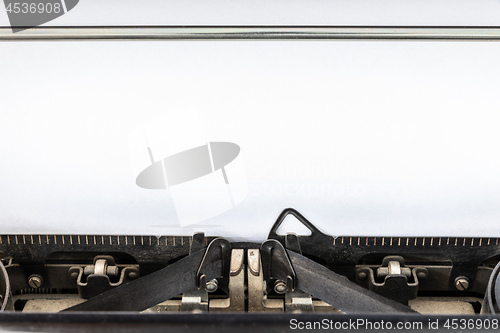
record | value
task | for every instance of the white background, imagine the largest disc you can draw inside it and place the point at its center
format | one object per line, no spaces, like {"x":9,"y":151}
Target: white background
{"x":279,"y":12}
{"x":364,"y":138}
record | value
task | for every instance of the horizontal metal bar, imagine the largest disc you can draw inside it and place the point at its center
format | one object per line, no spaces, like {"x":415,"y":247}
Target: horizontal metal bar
{"x":252,"y":33}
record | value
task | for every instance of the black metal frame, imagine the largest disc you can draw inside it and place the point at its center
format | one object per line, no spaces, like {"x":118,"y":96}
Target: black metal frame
{"x":213,"y":322}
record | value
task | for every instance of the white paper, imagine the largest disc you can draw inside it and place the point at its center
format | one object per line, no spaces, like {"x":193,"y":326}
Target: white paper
{"x":363,"y":138}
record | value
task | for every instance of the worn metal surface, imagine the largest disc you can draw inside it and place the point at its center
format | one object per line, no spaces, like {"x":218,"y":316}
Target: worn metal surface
{"x":336,"y":290}
{"x":145,"y":250}
{"x":149,"y":290}
{"x":252,"y":32}
{"x":465,"y":253}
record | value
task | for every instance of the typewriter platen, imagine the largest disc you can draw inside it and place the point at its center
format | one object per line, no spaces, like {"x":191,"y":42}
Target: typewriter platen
{"x":196,"y":275}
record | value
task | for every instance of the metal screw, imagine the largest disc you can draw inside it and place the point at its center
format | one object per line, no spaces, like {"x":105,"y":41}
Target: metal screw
{"x":211,"y":286}
{"x":362,"y":275}
{"x":280,"y":287}
{"x":35,"y":281}
{"x":462,"y":283}
{"x":133,"y":275}
{"x":422,"y":275}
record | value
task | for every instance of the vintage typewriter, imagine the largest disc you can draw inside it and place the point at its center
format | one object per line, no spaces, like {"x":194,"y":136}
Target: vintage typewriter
{"x":211,"y":281}
{"x":206,"y":282}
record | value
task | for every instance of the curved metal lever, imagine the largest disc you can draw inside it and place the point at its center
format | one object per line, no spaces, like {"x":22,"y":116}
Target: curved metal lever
{"x":273,"y":234}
